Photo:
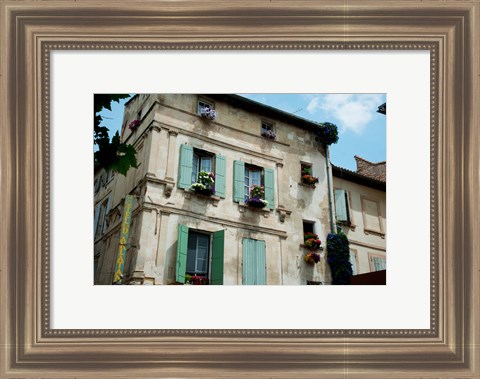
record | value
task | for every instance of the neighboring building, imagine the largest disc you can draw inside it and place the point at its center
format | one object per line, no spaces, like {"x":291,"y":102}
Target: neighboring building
{"x":175,"y":232}
{"x":360,"y":207}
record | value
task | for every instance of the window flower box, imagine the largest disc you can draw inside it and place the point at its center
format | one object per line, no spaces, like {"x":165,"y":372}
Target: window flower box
{"x":208,"y":113}
{"x":256,"y":199}
{"x":134,"y":125}
{"x":309,"y":180}
{"x":205,"y":184}
{"x":196,"y":280}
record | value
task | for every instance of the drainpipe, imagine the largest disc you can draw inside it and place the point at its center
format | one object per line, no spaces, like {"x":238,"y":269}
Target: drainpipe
{"x":330,"y":202}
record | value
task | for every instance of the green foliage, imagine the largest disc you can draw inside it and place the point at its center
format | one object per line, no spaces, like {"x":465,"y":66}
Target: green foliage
{"x":339,"y":257}
{"x":112,"y":154}
{"x":327,"y":133}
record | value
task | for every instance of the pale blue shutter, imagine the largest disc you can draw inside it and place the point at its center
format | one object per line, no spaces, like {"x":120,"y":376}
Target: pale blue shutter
{"x":220,"y":169}
{"x":238,"y":181}
{"x":185,"y":166}
{"x":182,"y":251}
{"x":248,"y":262}
{"x":254,"y":262}
{"x":217,"y":257}
{"x":340,"y":205}
{"x":270,"y":188}
{"x":379,"y":263}
{"x":261,"y":268}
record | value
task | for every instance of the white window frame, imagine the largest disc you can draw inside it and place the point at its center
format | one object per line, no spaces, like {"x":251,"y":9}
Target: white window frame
{"x":248,"y":172}
{"x":193,"y":232}
{"x":198,"y":156}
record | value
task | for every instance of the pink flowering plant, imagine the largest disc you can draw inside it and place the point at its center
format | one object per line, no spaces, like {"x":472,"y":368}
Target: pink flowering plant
{"x":269,"y":134}
{"x":257,"y":195}
{"x":196,"y":280}
{"x":134,"y":124}
{"x":209,"y":113}
{"x":205,"y":183}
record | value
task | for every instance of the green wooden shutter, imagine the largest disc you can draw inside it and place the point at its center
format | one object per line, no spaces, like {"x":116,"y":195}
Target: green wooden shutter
{"x":270,"y":188}
{"x":220,"y":169}
{"x":260,"y":263}
{"x":185,"y":166}
{"x":182,"y":250}
{"x":217,"y":257}
{"x":340,"y":205}
{"x":248,"y":261}
{"x":238,"y":181}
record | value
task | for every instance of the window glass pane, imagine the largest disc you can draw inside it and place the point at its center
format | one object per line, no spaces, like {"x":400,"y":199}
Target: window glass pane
{"x":206,"y":164}
{"x":256,"y":178}
{"x":197,"y":259}
{"x":195,"y":168}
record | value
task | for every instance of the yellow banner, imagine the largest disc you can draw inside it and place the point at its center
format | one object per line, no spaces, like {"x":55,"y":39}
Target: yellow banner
{"x":122,"y":248}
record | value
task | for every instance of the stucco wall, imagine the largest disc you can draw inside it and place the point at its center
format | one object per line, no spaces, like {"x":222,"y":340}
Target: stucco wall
{"x":365,"y":242}
{"x":170,"y":121}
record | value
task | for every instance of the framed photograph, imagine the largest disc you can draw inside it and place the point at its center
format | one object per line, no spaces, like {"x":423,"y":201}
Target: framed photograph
{"x":423,"y":56}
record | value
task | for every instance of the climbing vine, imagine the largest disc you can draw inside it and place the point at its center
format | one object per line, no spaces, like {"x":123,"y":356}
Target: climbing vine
{"x":339,"y":258}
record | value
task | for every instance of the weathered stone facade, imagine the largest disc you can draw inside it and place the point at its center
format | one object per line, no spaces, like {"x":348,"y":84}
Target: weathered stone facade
{"x":366,"y":224}
{"x":170,"y":129}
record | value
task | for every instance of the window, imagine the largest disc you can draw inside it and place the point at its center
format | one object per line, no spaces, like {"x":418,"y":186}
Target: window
{"x":353,"y":261}
{"x":254,"y":262}
{"x":306,"y":175}
{"x":308,"y":227}
{"x":267,"y":130}
{"x":253,"y":177}
{"x":371,"y":216}
{"x":101,"y":211}
{"x":202,"y":161}
{"x":245,"y":175}
{"x":378,"y":263}
{"x":342,"y":206}
{"x":202,"y":104}
{"x":192,"y":161}
{"x":201,"y":254}
{"x":198,"y":253}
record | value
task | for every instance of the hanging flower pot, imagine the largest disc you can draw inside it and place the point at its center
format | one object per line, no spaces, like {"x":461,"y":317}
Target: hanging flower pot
{"x":134,"y":125}
{"x":311,"y":258}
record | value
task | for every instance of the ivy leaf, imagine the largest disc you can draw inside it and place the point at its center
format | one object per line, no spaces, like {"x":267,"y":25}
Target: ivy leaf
{"x":126,"y":158}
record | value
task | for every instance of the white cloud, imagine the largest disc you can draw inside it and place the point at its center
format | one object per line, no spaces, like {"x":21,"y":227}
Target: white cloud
{"x":353,"y":112}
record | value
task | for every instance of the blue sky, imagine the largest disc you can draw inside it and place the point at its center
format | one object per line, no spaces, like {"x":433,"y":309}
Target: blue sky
{"x":362,"y":130}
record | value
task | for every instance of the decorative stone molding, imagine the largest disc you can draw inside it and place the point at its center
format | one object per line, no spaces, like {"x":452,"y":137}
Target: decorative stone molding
{"x":283,"y":213}
{"x":213,"y":198}
{"x":265,"y":211}
{"x":168,"y":189}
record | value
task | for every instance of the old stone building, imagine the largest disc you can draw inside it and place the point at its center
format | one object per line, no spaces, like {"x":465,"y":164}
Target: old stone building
{"x":190,"y":210}
{"x":360,"y":207}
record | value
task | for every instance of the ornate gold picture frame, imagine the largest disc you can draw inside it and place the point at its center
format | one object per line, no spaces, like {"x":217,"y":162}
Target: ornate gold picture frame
{"x":31,"y":30}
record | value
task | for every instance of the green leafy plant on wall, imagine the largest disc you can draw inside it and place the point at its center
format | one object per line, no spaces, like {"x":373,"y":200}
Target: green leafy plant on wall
{"x":338,"y":258}
{"x":327,"y":133}
{"x":111,"y":154}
